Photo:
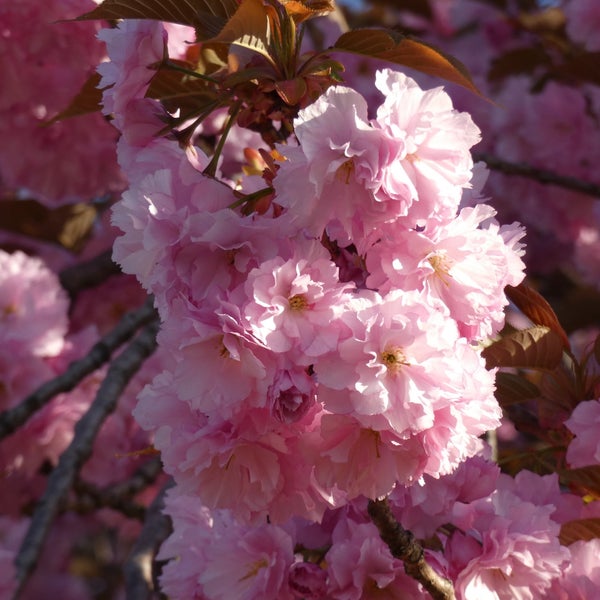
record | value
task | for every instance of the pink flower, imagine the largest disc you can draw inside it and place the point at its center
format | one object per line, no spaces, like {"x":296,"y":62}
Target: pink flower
{"x":584,"y":449}
{"x":580,"y":579}
{"x":432,"y":142}
{"x":583,"y":23}
{"x":506,"y":547}
{"x":307,"y":581}
{"x":33,"y":307}
{"x":43,"y":64}
{"x":360,"y":566}
{"x":399,"y":366}
{"x":329,"y":177}
{"x":462,"y":264}
{"x":294,"y":304}
{"x":362,"y":173}
{"x":252,"y":564}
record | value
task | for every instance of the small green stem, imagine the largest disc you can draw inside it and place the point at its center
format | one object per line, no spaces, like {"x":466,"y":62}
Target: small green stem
{"x":211,"y":168}
{"x":251,"y":197}
{"x":174,"y":67}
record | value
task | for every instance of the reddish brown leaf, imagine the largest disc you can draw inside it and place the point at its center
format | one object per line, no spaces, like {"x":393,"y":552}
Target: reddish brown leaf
{"x":534,"y":348}
{"x":514,"y":389}
{"x":178,"y":91}
{"x":585,"y":479}
{"x":88,"y":100}
{"x":535,"y":307}
{"x":582,"y":529}
{"x":291,"y":91}
{"x":68,"y":225}
{"x":248,"y":27}
{"x":396,"y":48}
{"x":302,"y":10}
{"x":207,"y":16}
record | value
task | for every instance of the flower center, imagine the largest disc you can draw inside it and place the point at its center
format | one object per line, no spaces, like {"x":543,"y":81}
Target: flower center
{"x":254,"y":568}
{"x":441,"y":265}
{"x":298,"y":302}
{"x":393,"y":358}
{"x":345,"y":171}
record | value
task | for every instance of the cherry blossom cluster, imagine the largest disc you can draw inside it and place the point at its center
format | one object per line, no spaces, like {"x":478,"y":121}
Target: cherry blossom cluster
{"x":323,"y":303}
{"x":40,"y":73}
{"x":325,"y":347}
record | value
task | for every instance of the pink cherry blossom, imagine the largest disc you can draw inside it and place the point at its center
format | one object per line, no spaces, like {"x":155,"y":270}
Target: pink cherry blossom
{"x":583,"y":23}
{"x":33,"y":307}
{"x":506,"y":546}
{"x":44,"y":61}
{"x":465,"y":266}
{"x":584,"y":449}
{"x":433,"y":162}
{"x":294,"y":303}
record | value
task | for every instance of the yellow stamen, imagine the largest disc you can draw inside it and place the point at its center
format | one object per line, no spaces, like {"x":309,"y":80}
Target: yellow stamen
{"x":255,"y":568}
{"x":344,"y":171}
{"x":298,"y":302}
{"x":393,"y":358}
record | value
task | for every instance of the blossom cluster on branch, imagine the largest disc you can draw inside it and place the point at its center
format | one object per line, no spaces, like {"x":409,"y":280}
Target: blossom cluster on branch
{"x":335,"y":405}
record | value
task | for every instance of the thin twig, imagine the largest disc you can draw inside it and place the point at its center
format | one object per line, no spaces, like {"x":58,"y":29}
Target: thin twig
{"x":139,"y":580}
{"x":120,"y":372}
{"x":89,"y":273}
{"x":540,"y":175}
{"x":119,"y":495}
{"x":404,"y":546}
{"x":12,"y":419}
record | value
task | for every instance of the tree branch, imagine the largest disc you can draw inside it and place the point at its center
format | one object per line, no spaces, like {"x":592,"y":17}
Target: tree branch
{"x":139,"y":581}
{"x":89,"y":273}
{"x":12,"y":419}
{"x":120,"y":372}
{"x":118,"y":496}
{"x":541,"y":175}
{"x":405,"y":547}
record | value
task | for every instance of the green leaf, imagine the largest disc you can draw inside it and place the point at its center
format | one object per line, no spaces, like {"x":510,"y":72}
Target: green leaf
{"x":514,"y":389}
{"x":394,"y":47}
{"x":535,"y":348}
{"x":208,"y":17}
{"x":88,"y":100}
{"x":582,"y":529}
{"x":536,"y":308}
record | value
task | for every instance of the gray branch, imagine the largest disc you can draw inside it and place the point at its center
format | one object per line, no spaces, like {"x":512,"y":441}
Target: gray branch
{"x":138,"y":569}
{"x":118,"y":496}
{"x":12,"y":419}
{"x":405,"y":547}
{"x":89,"y":273}
{"x":541,"y":175}
{"x":120,"y":372}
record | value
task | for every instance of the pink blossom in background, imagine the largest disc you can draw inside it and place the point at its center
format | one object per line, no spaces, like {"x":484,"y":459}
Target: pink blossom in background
{"x":584,"y":449}
{"x":33,"y":307}
{"x":43,"y":66}
{"x":580,"y":579}
{"x":583,"y":23}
